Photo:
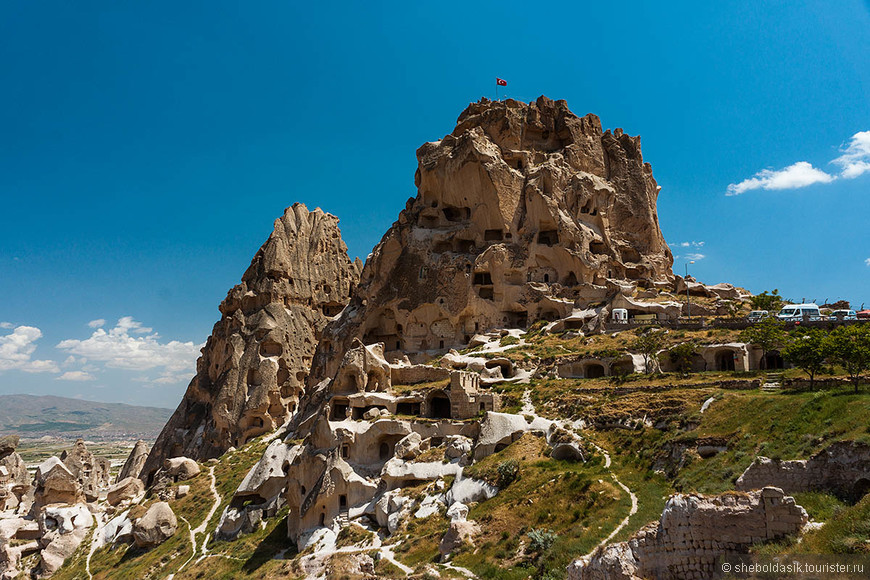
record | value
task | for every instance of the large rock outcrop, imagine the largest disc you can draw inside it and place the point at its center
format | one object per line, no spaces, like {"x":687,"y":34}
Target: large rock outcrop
{"x":253,"y":368}
{"x":524,"y":212}
{"x":135,"y":461}
{"x":693,"y":533}
{"x":91,"y":471}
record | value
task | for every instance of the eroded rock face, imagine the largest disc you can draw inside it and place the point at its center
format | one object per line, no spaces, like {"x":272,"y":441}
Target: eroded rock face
{"x":694,"y":531}
{"x":254,"y":365}
{"x":155,"y":527}
{"x":524,"y":212}
{"x":135,"y":461}
{"x":91,"y":471}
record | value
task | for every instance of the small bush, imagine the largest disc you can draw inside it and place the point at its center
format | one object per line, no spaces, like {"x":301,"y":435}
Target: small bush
{"x":508,"y":472}
{"x":540,"y":540}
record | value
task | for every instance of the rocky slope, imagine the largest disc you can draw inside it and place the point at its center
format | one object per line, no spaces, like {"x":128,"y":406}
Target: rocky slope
{"x":523,"y":212}
{"x":254,"y":366}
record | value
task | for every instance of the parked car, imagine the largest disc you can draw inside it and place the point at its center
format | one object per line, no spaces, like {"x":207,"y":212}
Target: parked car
{"x":864,"y":315}
{"x":799,"y":312}
{"x":758,"y":315}
{"x":843,"y":315}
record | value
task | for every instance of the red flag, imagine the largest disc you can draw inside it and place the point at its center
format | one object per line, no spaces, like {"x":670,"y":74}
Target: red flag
{"x":500,"y":82}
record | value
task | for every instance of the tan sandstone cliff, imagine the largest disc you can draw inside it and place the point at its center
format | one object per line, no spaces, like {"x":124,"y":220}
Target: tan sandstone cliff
{"x":524,"y":212}
{"x":253,"y":368}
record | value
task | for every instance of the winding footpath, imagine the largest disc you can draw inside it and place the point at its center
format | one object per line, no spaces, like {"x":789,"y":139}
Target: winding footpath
{"x":201,"y":527}
{"x":529,"y":409}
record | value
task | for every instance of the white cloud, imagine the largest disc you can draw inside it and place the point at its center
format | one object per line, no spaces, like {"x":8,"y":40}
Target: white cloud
{"x":76,"y":376}
{"x":119,"y":350}
{"x":855,"y":159}
{"x":867,"y":261}
{"x":692,"y":244}
{"x":98,"y":323}
{"x":801,"y":174}
{"x":17,"y":348}
{"x":6,"y":325}
{"x":694,"y":257}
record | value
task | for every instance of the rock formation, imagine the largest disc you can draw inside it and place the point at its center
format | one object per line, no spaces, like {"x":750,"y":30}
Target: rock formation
{"x":694,"y":531}
{"x":524,"y":212}
{"x":135,"y":461}
{"x":91,"y":471}
{"x":14,"y":479}
{"x":843,"y":468}
{"x":253,"y":368}
{"x":155,"y":527}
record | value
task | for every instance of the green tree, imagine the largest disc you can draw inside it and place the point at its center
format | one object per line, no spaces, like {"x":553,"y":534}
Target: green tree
{"x":768,"y":335}
{"x":648,"y":344}
{"x":808,"y":349}
{"x":850,"y":347}
{"x":682,"y":355}
{"x":771,"y":302}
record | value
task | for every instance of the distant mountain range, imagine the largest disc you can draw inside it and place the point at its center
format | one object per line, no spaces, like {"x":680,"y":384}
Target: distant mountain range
{"x":30,"y":416}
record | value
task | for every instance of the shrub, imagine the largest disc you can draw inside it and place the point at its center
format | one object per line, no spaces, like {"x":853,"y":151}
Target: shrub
{"x":507,"y":472}
{"x":540,"y":540}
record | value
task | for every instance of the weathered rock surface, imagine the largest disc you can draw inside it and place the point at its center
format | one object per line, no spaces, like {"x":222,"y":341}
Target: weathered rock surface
{"x":694,"y":531}
{"x":254,"y":365}
{"x":91,"y":471}
{"x":843,"y":468}
{"x":125,"y":490}
{"x":62,"y":531}
{"x":524,"y":212}
{"x":14,"y":478}
{"x":55,"y":483}
{"x":180,"y":468}
{"x":155,"y":527}
{"x":135,"y":461}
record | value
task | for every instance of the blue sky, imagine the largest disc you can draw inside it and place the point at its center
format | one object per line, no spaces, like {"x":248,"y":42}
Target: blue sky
{"x":145,"y":149}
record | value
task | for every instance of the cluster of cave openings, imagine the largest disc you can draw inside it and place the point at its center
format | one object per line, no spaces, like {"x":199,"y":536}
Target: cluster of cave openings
{"x":516,"y":319}
{"x":548,"y":237}
{"x":439,"y":406}
{"x":589,"y":207}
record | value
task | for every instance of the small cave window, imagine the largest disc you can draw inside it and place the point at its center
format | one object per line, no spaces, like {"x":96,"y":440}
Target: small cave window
{"x":482,"y":279}
{"x":493,"y":235}
{"x":546,"y":278}
{"x":342,"y":502}
{"x":597,"y":247}
{"x":384,"y":451}
{"x":548,"y":237}
{"x":440,"y":344}
{"x":302,"y":491}
{"x":486,"y":292}
{"x":322,"y":519}
{"x":345,"y":451}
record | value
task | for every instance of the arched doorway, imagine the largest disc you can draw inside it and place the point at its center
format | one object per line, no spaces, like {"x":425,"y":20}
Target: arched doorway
{"x":773,"y":360}
{"x":384,"y":451}
{"x":439,"y":406}
{"x":594,"y":371}
{"x":725,"y":360}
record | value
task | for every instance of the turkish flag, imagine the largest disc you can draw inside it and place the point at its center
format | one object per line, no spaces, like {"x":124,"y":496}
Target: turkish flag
{"x":500,"y":82}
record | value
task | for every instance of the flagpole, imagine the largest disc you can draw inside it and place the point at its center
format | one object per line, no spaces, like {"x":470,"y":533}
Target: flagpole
{"x":496,"y":90}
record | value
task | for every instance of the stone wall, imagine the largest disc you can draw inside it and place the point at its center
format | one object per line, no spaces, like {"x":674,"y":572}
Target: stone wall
{"x":843,"y":468}
{"x":693,"y":533}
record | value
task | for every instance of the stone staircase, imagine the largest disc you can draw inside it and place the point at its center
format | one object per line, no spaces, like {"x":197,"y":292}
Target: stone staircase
{"x":343,"y":518}
{"x":772,"y":382}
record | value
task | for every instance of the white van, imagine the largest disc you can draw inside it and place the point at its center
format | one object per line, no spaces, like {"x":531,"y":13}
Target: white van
{"x":799,"y":312}
{"x":843,"y":315}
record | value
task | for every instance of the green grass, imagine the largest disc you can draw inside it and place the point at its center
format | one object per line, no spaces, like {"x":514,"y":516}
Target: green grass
{"x":578,"y":502}
{"x":748,"y":423}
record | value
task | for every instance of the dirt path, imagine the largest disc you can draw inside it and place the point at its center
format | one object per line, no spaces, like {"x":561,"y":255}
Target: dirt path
{"x":529,"y":409}
{"x":201,"y":527}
